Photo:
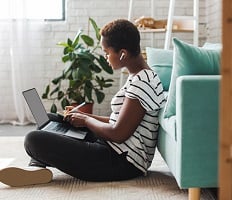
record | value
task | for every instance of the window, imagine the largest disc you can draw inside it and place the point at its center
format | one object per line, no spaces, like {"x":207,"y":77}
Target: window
{"x":32,"y":9}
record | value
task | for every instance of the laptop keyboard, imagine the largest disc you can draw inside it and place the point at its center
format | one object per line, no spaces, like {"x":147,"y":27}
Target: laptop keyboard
{"x":56,"y":126}
{"x":63,"y":129}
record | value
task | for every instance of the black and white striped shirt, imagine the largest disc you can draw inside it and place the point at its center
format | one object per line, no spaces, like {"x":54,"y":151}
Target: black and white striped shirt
{"x":147,"y":88}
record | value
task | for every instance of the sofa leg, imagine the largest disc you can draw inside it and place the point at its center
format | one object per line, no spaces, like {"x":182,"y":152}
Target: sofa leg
{"x":194,"y":193}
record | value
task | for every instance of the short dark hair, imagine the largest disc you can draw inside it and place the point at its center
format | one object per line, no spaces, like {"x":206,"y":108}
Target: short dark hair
{"x":122,"y":34}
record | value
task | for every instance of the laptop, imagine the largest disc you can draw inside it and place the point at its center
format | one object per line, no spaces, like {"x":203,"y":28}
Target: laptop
{"x":44,"y":123}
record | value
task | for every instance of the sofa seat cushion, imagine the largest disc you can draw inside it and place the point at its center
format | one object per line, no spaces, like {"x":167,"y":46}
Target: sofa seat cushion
{"x":168,"y":124}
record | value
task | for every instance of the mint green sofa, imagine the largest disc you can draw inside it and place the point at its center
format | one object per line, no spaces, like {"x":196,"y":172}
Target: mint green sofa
{"x":188,"y":134}
{"x":189,"y":145}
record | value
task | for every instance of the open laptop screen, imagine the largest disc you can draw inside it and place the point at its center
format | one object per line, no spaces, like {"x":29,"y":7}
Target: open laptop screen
{"x":35,"y":104}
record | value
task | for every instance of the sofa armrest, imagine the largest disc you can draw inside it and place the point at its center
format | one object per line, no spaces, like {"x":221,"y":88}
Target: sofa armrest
{"x":197,"y":128}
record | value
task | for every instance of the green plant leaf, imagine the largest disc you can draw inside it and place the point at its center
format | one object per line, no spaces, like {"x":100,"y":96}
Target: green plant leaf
{"x":72,"y":56}
{"x":47,"y":89}
{"x":63,"y":44}
{"x":76,"y":96}
{"x":78,"y":46}
{"x":68,"y":73}
{"x":67,"y":50}
{"x":84,"y":72}
{"x":87,"y":40}
{"x":65,"y":58}
{"x":60,"y":95}
{"x":74,"y":85}
{"x":76,"y":39}
{"x":55,"y":90}
{"x":45,"y":94}
{"x":75,"y":74}
{"x":53,"y":108}
{"x":55,"y":81}
{"x":88,"y":90}
{"x":108,"y":85}
{"x":86,"y":55}
{"x":83,"y":66}
{"x":95,"y":68}
{"x":100,"y":95}
{"x":96,"y":28}
{"x":64,"y":103}
{"x":69,"y":42}
{"x":105,"y":65}
{"x":103,"y":83}
{"x":107,"y":81}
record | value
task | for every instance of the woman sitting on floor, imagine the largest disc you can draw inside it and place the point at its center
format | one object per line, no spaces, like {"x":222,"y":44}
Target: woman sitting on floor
{"x":117,"y":147}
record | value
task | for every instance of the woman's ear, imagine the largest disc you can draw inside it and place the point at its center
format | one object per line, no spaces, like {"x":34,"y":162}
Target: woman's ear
{"x":122,"y":54}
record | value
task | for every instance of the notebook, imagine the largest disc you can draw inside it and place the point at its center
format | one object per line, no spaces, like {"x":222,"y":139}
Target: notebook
{"x":42,"y":120}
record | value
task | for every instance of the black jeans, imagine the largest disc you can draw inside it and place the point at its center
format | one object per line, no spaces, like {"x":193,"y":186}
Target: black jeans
{"x":91,"y":159}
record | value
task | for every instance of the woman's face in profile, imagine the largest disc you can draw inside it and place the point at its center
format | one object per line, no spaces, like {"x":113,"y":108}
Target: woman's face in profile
{"x":112,"y":57}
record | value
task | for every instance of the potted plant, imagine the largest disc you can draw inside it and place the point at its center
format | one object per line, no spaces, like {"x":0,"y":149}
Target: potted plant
{"x":81,"y":79}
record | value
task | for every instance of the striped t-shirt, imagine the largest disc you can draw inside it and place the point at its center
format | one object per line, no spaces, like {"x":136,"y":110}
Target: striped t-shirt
{"x":147,"y":88}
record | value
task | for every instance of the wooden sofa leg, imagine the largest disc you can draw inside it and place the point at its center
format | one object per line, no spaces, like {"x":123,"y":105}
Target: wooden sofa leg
{"x":194,"y":193}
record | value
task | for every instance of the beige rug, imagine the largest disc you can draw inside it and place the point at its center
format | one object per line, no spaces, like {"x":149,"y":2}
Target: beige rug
{"x":158,"y":185}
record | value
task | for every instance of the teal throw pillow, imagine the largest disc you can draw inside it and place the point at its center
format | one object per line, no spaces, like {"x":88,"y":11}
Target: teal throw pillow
{"x":161,"y":61}
{"x":190,"y":60}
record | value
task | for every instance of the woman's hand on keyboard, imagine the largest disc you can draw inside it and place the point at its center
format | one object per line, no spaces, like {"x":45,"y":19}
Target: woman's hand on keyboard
{"x":67,"y":113}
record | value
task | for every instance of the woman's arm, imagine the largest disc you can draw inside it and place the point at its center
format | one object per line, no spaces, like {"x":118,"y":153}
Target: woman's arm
{"x":68,"y":113}
{"x":104,"y":119}
{"x":131,"y":114}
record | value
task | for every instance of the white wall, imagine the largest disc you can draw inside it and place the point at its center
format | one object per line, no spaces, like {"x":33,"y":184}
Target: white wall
{"x":102,"y":11}
{"x":214,"y":20}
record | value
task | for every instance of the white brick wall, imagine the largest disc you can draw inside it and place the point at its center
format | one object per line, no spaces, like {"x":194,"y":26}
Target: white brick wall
{"x":77,"y":13}
{"x":214,"y":20}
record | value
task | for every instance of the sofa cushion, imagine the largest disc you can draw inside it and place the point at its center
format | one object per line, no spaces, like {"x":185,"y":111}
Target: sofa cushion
{"x":190,"y":60}
{"x":161,"y":61}
{"x":168,"y":124}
